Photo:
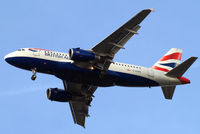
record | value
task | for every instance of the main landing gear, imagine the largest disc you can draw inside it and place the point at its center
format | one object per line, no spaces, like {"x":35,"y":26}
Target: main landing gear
{"x":33,"y":77}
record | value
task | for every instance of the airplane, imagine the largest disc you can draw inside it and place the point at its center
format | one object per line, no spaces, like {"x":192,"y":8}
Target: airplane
{"x":83,"y":71}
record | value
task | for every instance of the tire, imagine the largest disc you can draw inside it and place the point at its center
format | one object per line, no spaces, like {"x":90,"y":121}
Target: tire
{"x":33,"y":77}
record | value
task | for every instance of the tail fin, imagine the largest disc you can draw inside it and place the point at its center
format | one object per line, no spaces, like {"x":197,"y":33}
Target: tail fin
{"x":170,"y":60}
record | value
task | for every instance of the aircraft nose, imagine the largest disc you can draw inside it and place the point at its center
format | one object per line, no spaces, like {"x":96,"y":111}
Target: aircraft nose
{"x":8,"y":58}
{"x":184,"y":80}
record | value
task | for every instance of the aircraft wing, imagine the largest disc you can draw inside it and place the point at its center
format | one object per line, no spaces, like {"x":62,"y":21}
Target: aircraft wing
{"x":116,"y":41}
{"x":83,"y":95}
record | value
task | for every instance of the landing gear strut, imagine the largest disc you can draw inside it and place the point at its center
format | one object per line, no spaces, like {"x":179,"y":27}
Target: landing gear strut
{"x":33,"y":77}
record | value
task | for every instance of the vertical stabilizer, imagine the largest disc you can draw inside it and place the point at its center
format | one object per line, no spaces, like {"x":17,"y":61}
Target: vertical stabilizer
{"x":170,"y":60}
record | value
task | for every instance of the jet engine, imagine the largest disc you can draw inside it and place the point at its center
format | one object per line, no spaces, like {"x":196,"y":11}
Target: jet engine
{"x":55,"y":94}
{"x":78,"y":54}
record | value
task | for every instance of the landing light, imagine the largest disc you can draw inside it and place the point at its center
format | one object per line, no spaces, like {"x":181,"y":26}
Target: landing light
{"x":91,"y":68}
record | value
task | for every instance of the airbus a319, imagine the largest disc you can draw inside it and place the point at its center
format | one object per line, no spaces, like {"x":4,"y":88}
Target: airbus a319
{"x":83,"y":71}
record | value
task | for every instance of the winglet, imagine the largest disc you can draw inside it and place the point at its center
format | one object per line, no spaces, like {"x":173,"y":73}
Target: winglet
{"x":152,"y":9}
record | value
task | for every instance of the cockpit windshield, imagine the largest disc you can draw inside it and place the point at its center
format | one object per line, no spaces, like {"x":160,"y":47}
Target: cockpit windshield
{"x":21,"y":49}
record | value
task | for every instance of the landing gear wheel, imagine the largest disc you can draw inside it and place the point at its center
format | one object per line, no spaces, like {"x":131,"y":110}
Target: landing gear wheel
{"x":33,"y":77}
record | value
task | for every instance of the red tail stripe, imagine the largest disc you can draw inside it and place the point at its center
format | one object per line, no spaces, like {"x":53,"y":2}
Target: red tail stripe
{"x":176,"y":56}
{"x":159,"y":68}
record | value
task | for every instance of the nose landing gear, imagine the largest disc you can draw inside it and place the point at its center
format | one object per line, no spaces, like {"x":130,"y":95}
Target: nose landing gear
{"x":33,"y":77}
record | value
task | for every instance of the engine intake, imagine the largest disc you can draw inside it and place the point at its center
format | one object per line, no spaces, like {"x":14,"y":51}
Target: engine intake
{"x":78,"y":54}
{"x":55,"y":94}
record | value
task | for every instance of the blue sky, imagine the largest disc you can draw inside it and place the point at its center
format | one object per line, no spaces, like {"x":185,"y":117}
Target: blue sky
{"x":60,"y":25}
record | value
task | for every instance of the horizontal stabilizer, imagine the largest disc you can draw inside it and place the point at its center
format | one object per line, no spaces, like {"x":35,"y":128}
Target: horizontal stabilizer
{"x":179,"y":70}
{"x":168,"y":91}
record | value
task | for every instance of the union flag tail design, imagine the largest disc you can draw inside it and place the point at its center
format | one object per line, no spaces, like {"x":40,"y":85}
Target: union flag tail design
{"x":170,"y":60}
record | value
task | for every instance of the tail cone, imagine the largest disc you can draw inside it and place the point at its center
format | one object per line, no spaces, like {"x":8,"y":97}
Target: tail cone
{"x":184,"y":80}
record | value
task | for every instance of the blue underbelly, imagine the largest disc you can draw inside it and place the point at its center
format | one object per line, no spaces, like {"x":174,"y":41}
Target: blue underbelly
{"x":70,"y":72}
{"x":131,"y":80}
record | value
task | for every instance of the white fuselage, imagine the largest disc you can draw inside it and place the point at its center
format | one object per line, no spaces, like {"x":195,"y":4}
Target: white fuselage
{"x":147,"y":73}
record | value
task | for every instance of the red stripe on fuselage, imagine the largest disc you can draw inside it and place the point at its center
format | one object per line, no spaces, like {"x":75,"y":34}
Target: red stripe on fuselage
{"x":176,"y":56}
{"x":39,"y":49}
{"x":159,"y":68}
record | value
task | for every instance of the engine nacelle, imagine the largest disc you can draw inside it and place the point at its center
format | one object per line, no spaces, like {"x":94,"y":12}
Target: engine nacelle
{"x":77,"y":54}
{"x":55,"y":94}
